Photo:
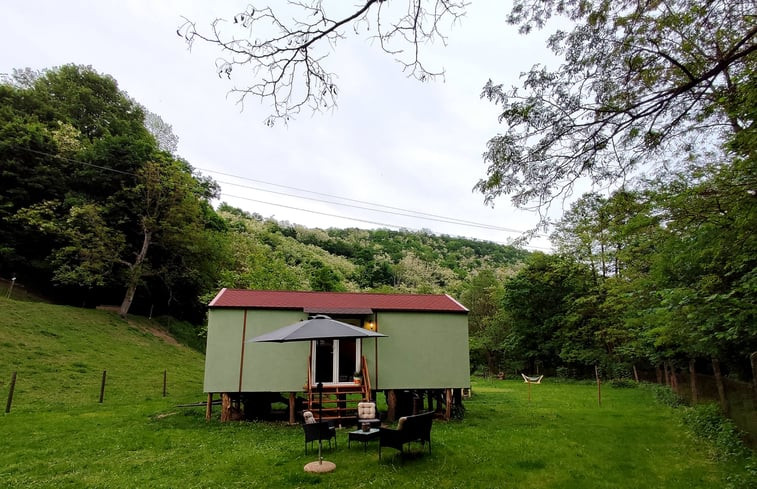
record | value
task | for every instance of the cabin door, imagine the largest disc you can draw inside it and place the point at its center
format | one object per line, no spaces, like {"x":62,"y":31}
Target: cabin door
{"x":334,"y":361}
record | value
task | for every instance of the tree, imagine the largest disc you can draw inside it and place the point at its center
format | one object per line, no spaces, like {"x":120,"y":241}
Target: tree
{"x":285,"y":48}
{"x":483,"y":297}
{"x":640,"y":81}
{"x":161,"y":131}
{"x":169,"y":213}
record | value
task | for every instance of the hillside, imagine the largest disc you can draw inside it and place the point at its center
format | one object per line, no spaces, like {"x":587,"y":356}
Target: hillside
{"x":60,"y":353}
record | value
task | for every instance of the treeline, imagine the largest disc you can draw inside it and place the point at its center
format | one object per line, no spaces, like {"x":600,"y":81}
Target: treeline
{"x":96,"y":208}
{"x":661,"y":276}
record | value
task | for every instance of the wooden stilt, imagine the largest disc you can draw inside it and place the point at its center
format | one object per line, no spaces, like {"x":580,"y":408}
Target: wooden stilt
{"x":209,"y":407}
{"x":291,"y":407}
{"x":225,"y":407}
{"x":391,"y":403}
{"x":448,"y":407}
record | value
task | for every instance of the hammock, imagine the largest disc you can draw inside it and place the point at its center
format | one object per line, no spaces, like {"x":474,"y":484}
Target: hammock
{"x":531,"y":380}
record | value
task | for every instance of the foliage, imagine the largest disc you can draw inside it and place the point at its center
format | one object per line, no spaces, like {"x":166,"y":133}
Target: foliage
{"x":623,"y":384}
{"x":640,"y":81}
{"x":708,"y":423}
{"x":665,"y":395}
{"x":90,"y":204}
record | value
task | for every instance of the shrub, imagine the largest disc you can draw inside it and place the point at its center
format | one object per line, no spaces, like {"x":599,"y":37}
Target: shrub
{"x":707,"y":422}
{"x":623,"y":384}
{"x":664,"y":395}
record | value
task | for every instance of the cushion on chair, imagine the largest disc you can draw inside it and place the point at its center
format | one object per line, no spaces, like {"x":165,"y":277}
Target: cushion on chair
{"x":366,"y":410}
{"x":309,"y":418}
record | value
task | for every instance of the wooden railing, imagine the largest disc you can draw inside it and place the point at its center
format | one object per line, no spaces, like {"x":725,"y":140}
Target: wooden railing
{"x":366,"y":378}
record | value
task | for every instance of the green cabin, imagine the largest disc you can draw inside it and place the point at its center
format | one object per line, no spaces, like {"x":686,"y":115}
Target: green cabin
{"x":424,"y":353}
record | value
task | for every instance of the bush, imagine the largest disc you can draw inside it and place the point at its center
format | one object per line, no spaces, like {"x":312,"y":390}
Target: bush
{"x":665,"y":395}
{"x":623,"y":384}
{"x":707,"y":422}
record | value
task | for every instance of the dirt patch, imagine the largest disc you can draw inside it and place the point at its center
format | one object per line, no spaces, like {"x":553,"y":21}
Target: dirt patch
{"x":155,"y":331}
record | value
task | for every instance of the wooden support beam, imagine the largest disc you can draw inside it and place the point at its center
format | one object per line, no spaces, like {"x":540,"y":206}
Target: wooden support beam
{"x":391,"y":403}
{"x":448,"y":407}
{"x":225,"y":407}
{"x":291,"y":408}
{"x":209,"y":407}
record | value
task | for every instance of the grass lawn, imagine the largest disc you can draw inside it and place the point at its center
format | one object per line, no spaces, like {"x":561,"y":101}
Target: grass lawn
{"x":58,"y":435}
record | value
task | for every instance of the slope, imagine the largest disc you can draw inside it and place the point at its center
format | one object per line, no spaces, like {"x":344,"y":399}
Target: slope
{"x":60,"y":353}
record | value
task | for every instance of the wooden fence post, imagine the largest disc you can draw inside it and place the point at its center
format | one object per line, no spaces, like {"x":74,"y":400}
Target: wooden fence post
{"x":102,"y":387}
{"x":599,"y":385}
{"x":165,"y":374}
{"x":10,"y":393}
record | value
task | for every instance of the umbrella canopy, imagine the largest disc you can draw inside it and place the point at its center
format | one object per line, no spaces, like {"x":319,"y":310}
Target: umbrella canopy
{"x":320,"y":327}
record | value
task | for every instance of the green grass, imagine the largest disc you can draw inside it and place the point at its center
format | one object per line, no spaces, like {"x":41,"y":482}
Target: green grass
{"x":62,"y":437}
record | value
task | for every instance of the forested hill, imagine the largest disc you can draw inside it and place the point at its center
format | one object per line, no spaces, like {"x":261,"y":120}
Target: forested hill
{"x":96,"y":208}
{"x":273,"y":255}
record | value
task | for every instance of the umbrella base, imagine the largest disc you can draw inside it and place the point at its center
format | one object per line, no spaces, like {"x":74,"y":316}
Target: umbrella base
{"x":319,"y":467}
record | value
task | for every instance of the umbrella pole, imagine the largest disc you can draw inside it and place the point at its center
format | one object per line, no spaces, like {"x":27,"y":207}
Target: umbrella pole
{"x":320,"y":419}
{"x":320,"y":466}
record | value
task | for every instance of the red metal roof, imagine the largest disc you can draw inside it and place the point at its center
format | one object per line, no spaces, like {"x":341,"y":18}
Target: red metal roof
{"x":335,"y":302}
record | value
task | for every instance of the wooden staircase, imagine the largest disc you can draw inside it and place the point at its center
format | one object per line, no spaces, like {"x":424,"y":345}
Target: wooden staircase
{"x":339,"y":400}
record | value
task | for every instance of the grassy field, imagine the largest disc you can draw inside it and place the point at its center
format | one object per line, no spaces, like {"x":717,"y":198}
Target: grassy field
{"x":58,"y":435}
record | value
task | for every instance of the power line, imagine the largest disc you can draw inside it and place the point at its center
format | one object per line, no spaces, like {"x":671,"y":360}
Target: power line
{"x":447,"y":219}
{"x":412,"y":215}
{"x":311,"y":211}
{"x":419,"y":215}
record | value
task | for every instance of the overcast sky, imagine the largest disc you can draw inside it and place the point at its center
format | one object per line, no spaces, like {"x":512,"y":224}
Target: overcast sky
{"x":392,"y":141}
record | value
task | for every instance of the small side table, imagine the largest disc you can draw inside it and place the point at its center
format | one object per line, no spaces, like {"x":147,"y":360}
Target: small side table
{"x":363,"y":436}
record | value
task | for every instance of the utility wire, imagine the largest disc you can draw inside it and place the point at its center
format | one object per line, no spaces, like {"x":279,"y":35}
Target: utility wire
{"x":413,"y":215}
{"x":447,"y":219}
{"x":419,"y":215}
{"x":395,"y":226}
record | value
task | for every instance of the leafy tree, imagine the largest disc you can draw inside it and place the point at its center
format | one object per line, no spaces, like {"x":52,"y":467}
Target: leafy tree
{"x":538,"y":300}
{"x":487,"y":332}
{"x":640,"y":80}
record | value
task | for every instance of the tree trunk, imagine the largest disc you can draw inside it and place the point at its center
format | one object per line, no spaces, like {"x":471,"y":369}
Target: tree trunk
{"x":635,"y":373}
{"x":693,"y":381}
{"x":674,"y":380}
{"x":721,"y":386}
{"x":667,"y":374}
{"x":658,"y":371}
{"x":753,"y":358}
{"x":135,"y":274}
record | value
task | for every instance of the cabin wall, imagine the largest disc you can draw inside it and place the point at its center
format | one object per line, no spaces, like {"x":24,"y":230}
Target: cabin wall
{"x":265,"y":367}
{"x":423,"y":351}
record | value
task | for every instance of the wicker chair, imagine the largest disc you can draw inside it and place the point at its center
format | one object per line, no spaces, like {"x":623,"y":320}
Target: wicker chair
{"x":317,"y":430}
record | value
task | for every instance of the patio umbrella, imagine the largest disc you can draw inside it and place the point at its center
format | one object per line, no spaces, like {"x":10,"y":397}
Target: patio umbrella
{"x":319,"y":327}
